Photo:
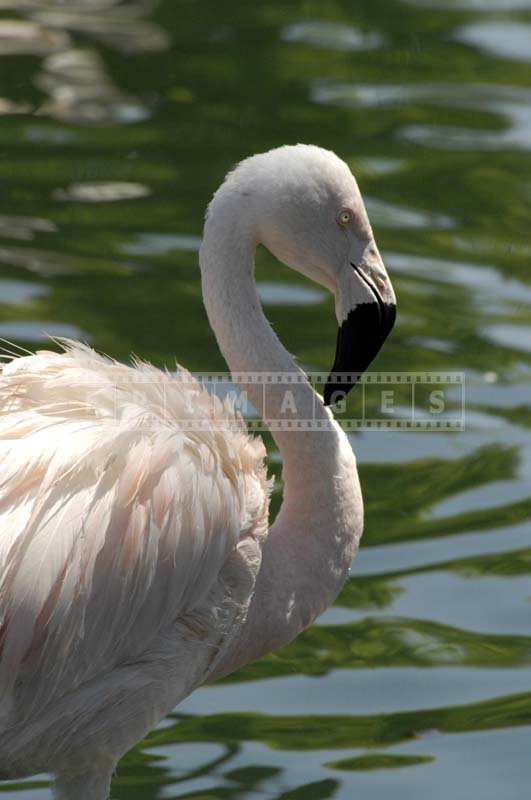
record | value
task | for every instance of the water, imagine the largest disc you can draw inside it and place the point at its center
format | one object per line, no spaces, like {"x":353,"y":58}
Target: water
{"x":119,"y":119}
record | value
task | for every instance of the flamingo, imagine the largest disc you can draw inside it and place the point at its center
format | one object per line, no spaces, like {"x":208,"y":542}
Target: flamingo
{"x":136,"y":559}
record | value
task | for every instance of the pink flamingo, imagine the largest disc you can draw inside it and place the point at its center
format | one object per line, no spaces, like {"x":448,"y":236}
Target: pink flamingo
{"x":136,"y":558}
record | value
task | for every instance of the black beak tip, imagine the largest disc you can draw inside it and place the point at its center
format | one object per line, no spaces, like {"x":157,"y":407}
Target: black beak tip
{"x":334,"y":392}
{"x":359,"y":340}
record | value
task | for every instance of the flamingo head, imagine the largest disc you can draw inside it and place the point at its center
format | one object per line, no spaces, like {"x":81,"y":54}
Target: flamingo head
{"x":303,"y":204}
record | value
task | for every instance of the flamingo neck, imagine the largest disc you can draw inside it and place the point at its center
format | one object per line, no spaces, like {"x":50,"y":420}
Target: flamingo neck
{"x":249,"y":345}
{"x":309,"y":549}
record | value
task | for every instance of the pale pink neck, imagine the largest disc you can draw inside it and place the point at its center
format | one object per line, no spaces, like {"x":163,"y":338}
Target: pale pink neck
{"x":315,"y":536}
{"x":249,"y":345}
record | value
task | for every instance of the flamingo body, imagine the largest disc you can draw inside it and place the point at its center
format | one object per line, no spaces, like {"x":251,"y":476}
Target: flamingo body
{"x":126,"y":537}
{"x":136,"y":559}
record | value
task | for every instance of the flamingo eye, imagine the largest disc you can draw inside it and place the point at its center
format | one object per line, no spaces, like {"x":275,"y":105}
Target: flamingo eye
{"x":344,"y":217}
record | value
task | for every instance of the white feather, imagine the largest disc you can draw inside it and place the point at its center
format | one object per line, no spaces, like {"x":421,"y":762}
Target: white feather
{"x":114,"y":521}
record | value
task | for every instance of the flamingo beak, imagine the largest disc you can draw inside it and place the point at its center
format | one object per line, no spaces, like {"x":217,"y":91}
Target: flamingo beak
{"x":361,"y":334}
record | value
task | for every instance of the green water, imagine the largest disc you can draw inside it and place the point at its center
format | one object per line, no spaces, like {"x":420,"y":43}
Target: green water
{"x":119,"y":119}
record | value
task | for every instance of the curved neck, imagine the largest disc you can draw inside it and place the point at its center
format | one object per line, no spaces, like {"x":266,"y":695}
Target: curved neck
{"x":249,"y":345}
{"x":310,"y":546}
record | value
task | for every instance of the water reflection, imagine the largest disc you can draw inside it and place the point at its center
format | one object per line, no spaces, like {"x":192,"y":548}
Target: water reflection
{"x":76,"y":81}
{"x":502,"y":39}
{"x":24,"y":228}
{"x":9,"y":107}
{"x":450,"y":137}
{"x":474,"y":5}
{"x":116,"y":24}
{"x":32,"y":332}
{"x":102,"y":192}
{"x":80,"y":91}
{"x":50,"y":262}
{"x":416,"y":683}
{"x":321,"y":33}
{"x":512,"y":103}
{"x":511,"y":336}
{"x":285,"y":294}
{"x":157,"y":244}
{"x":119,"y":24}
{"x":388,"y":215}
{"x":409,"y":556}
{"x":384,"y":95}
{"x":361,"y":690}
{"x":18,"y":37}
{"x":18,"y":292}
{"x":486,"y":282}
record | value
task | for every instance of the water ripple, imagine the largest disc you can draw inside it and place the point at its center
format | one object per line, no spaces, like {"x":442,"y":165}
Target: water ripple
{"x":331,"y":35}
{"x":501,"y":39}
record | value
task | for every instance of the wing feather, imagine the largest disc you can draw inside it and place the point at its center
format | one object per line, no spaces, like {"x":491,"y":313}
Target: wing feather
{"x":114,"y":521}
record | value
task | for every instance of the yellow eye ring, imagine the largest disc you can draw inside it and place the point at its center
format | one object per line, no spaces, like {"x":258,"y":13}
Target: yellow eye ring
{"x":344,"y":217}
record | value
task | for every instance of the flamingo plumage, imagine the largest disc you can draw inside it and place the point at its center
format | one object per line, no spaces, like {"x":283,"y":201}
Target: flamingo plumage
{"x":136,"y":558}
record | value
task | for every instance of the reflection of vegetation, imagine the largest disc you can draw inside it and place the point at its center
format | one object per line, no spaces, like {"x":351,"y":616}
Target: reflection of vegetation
{"x":379,"y":761}
{"x":304,"y":733}
{"x":411,"y":490}
{"x":331,"y":732}
{"x":484,"y":519}
{"x":507,"y":564}
{"x":251,"y":776}
{"x":318,"y":790}
{"x":146,"y":771}
{"x":367,"y":592}
{"x":389,"y":642}
{"x":517,"y":415}
{"x":500,"y":564}
{"x":400,"y":513}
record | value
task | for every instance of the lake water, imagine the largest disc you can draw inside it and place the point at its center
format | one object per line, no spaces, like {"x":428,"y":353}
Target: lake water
{"x":119,"y":119}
